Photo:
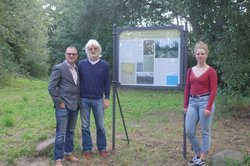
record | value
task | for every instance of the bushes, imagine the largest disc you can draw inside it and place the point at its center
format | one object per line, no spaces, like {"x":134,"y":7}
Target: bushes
{"x":232,"y":58}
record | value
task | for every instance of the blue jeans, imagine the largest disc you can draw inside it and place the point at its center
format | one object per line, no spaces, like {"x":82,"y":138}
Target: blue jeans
{"x":98,"y":110}
{"x":65,"y":125}
{"x":195,"y":114}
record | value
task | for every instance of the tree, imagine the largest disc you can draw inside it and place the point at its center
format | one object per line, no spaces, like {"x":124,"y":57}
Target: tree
{"x":63,"y":28}
{"x":24,"y":37}
{"x":233,"y":50}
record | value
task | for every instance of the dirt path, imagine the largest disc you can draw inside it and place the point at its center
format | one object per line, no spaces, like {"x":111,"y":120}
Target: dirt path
{"x":157,"y":140}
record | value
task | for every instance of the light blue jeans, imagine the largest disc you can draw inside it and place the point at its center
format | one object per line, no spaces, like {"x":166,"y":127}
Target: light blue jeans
{"x":65,"y":126}
{"x":96,"y":105}
{"x":195,"y":115}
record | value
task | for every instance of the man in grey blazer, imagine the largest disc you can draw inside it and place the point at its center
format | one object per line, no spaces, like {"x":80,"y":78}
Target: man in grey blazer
{"x":64,"y":91}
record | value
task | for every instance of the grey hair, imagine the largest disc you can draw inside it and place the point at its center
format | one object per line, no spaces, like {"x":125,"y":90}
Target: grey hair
{"x":90,"y":43}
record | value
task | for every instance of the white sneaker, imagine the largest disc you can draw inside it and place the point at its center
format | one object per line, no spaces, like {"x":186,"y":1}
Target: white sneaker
{"x":200,"y":162}
{"x":193,"y":161}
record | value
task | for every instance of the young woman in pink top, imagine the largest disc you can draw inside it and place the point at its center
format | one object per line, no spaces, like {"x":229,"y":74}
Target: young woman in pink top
{"x":199,"y":96}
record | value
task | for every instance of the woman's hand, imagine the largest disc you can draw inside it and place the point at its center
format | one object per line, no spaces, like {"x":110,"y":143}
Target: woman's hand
{"x":185,"y":110}
{"x":207,"y":112}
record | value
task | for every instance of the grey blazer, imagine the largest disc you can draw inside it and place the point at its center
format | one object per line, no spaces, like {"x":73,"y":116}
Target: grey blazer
{"x":62,"y":87}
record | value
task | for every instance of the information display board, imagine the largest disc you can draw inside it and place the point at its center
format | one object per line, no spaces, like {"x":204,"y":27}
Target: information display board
{"x":150,"y":56}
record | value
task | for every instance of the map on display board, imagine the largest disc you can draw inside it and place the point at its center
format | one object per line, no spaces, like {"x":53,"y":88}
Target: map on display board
{"x":150,"y":57}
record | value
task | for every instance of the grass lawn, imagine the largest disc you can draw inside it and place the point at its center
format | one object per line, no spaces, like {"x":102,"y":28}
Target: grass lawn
{"x":26,"y":117}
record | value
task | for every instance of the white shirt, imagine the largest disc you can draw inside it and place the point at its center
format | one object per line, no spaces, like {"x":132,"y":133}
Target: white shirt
{"x":73,"y":72}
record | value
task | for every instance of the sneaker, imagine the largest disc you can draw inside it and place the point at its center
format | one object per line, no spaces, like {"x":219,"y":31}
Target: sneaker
{"x":87,"y":155}
{"x":193,"y":161}
{"x":200,"y":162}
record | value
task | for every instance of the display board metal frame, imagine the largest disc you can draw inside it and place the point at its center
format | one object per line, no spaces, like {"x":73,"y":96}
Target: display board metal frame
{"x":150,"y":57}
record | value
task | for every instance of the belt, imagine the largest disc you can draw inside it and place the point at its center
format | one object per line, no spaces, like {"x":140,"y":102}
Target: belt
{"x":201,"y":95}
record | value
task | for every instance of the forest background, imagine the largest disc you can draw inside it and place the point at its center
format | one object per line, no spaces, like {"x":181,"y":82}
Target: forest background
{"x":35,"y":33}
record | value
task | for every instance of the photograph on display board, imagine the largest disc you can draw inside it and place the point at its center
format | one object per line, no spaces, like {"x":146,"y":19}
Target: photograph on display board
{"x":149,"y":47}
{"x":145,"y":78}
{"x":166,"y":48}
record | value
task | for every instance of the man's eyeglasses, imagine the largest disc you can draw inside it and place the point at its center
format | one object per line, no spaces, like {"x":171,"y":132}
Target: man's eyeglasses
{"x":74,"y":54}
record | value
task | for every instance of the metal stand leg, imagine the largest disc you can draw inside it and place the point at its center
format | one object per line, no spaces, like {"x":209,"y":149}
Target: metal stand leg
{"x":124,"y":125}
{"x":116,"y":96}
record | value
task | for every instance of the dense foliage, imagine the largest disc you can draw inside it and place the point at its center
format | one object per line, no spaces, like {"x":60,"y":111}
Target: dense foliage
{"x":224,"y":24}
{"x":23,"y":38}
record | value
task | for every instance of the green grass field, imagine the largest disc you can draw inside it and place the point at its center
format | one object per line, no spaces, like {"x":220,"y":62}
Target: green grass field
{"x":153,"y":119}
{"x":26,"y":117}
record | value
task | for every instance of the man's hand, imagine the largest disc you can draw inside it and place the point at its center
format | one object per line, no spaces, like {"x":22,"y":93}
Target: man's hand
{"x":62,"y":105}
{"x":106,"y":103}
